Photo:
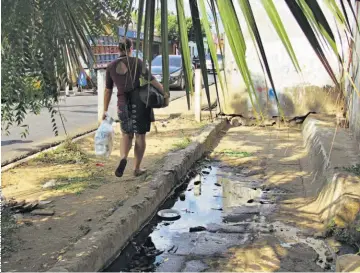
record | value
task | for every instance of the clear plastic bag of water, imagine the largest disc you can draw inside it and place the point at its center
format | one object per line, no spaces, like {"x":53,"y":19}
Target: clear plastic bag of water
{"x":104,"y":138}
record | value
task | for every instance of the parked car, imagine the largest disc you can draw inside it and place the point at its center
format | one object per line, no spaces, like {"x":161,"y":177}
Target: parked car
{"x":176,"y":70}
{"x":209,"y":65}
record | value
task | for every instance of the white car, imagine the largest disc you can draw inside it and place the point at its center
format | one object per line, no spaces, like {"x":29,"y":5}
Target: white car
{"x":209,"y":65}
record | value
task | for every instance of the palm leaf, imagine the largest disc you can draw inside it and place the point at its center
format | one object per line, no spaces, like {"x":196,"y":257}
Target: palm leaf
{"x":216,"y":86}
{"x":139,"y":25}
{"x":151,"y":34}
{"x":339,"y":16}
{"x":185,"y":52}
{"x":200,"y":47}
{"x":354,"y":14}
{"x":211,"y":44}
{"x":165,"y":45}
{"x":146,"y":34}
{"x":279,"y":27}
{"x":50,"y":39}
{"x":213,"y":11}
{"x":128,"y":16}
{"x":238,"y":47}
{"x":310,"y":35}
{"x":345,"y":15}
{"x":314,"y":13}
{"x":250,"y":20}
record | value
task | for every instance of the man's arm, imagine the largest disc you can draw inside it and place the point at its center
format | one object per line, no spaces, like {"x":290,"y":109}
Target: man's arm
{"x":109,"y":84}
{"x":107,"y":98}
{"x":153,"y":81}
{"x":159,"y":87}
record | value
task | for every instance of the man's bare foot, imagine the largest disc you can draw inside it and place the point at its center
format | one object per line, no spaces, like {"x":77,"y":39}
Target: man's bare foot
{"x":139,"y":172}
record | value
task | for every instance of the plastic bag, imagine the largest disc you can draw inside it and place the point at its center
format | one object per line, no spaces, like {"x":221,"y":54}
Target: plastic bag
{"x":104,"y":138}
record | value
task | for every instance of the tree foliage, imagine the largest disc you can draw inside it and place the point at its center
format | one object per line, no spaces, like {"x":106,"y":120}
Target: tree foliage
{"x":42,"y":43}
{"x":173,"y":27}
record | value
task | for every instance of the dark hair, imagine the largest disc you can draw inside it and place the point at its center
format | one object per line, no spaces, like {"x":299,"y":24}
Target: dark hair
{"x":125,"y":45}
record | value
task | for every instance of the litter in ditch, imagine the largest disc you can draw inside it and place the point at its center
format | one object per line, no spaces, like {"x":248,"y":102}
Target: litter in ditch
{"x":203,"y":204}
{"x":217,"y":208}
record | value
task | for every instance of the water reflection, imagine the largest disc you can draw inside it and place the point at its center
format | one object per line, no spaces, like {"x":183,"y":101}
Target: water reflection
{"x":205,"y":203}
{"x":196,"y":210}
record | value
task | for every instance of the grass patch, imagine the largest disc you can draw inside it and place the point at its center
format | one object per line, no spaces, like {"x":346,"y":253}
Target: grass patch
{"x":355,"y":169}
{"x":67,"y":153}
{"x":233,"y":153}
{"x":8,"y":227}
{"x":182,"y":144}
{"x":349,"y":235}
{"x":78,"y":182}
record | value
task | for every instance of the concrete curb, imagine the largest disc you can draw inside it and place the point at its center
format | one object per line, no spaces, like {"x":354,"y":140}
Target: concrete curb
{"x":337,"y":191}
{"x":98,"y":249}
{"x":348,"y":263}
{"x":42,"y":149}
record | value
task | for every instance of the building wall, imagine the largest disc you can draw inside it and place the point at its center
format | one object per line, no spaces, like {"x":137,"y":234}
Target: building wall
{"x":297,"y":92}
{"x":352,"y":94}
{"x":193,"y":48}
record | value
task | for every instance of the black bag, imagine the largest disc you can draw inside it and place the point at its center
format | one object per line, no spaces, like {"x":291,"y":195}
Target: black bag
{"x":151,"y":96}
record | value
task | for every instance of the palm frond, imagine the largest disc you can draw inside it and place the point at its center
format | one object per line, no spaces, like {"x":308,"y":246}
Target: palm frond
{"x":250,"y":19}
{"x":314,"y":13}
{"x":139,"y":25}
{"x":310,"y":35}
{"x":185,"y":52}
{"x":211,"y":45}
{"x":41,"y":42}
{"x":216,"y":21}
{"x":238,"y":47}
{"x":357,"y":23}
{"x":200,"y":47}
{"x":279,"y":27}
{"x":146,"y":44}
{"x":164,"y":44}
{"x":151,"y":34}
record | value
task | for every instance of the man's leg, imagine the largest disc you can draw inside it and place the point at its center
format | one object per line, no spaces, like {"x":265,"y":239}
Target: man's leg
{"x":140,"y":146}
{"x":125,"y":147}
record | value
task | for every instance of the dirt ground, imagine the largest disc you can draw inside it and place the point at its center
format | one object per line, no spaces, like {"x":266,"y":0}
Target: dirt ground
{"x":86,"y":192}
{"x":245,"y":231}
{"x":277,"y":157}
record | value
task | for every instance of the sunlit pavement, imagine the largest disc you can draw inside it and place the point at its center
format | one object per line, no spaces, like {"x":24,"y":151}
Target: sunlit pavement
{"x":80,"y":115}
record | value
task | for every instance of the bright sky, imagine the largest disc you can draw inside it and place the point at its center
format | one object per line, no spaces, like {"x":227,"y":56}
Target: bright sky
{"x":172,"y":7}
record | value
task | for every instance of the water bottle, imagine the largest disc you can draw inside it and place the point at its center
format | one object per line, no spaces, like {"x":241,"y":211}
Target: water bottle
{"x":104,"y":137}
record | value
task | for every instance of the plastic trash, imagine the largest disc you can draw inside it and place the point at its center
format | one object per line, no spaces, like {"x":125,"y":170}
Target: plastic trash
{"x":104,"y":137}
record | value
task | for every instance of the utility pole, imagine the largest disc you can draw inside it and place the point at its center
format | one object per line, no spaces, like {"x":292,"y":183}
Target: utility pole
{"x":197,"y":95}
{"x":101,"y":92}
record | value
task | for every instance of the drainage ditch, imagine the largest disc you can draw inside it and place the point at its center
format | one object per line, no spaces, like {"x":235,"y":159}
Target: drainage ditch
{"x":218,"y":207}
{"x":212,"y":199}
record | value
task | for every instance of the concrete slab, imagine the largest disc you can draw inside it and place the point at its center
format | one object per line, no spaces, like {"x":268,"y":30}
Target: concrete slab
{"x":171,"y":263}
{"x":337,"y":192}
{"x":195,"y":266}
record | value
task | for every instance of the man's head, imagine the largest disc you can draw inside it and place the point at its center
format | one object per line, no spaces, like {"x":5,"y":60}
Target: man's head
{"x":125,"y":47}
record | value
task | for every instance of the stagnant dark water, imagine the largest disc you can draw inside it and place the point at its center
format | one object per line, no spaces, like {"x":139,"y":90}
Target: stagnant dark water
{"x":204,"y":204}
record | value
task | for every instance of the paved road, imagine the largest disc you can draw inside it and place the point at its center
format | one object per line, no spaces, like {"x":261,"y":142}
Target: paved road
{"x":80,"y":113}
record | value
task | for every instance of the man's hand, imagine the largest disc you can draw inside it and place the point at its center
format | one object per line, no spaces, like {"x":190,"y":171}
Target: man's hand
{"x":104,"y":116}
{"x":166,"y":95}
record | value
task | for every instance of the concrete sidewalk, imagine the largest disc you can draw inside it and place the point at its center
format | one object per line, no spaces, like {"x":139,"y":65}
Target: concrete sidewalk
{"x":179,"y":107}
{"x":80,"y":117}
